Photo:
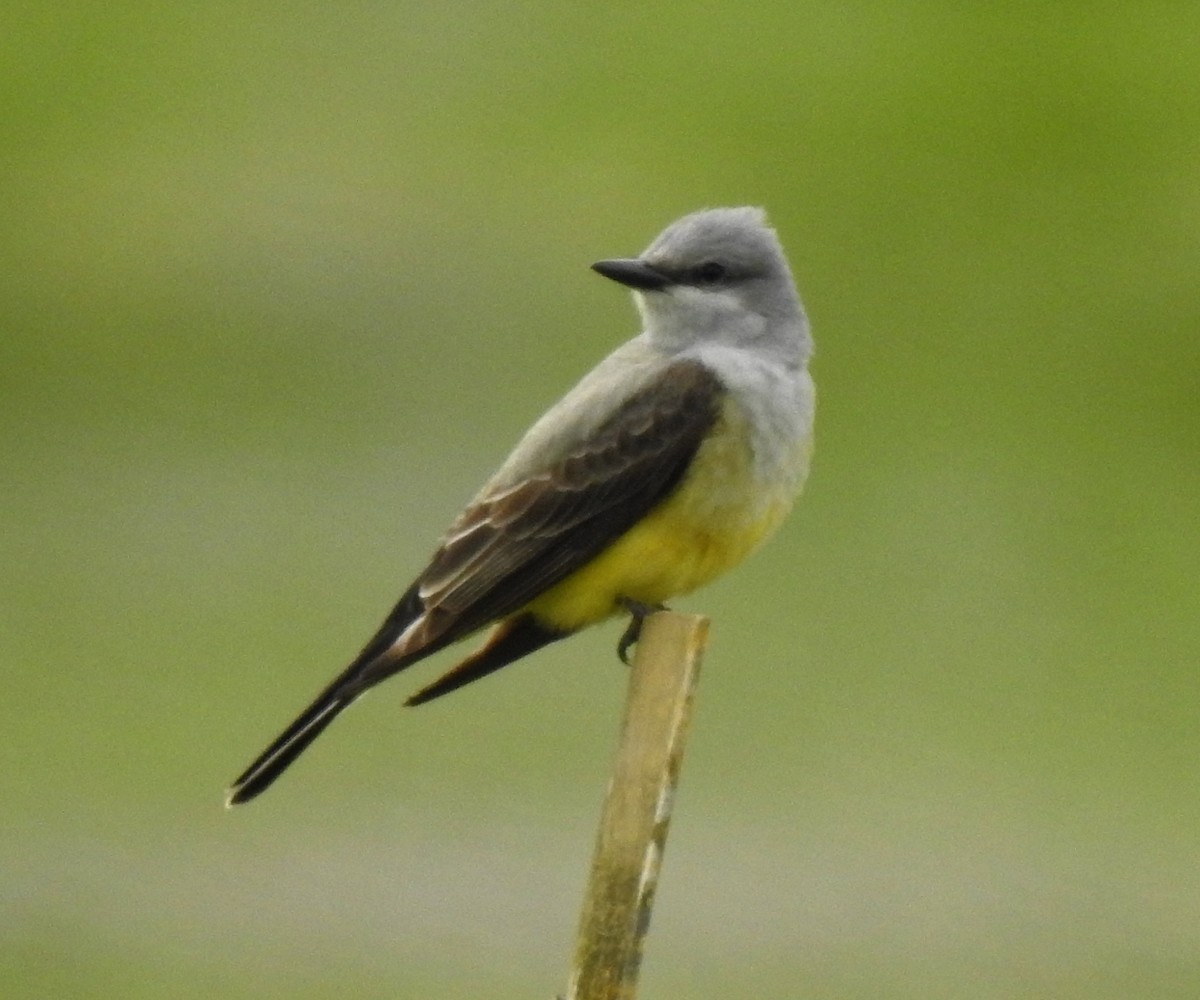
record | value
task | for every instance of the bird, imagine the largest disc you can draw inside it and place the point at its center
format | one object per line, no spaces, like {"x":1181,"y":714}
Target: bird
{"x":666,"y":465}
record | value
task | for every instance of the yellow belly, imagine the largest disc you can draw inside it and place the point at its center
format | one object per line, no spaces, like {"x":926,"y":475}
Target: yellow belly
{"x":718,"y":515}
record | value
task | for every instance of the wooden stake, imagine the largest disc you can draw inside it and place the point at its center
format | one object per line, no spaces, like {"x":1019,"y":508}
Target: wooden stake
{"x":637,"y":809}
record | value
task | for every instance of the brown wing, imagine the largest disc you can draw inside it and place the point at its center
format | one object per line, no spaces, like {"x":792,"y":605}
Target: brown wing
{"x":510,"y":546}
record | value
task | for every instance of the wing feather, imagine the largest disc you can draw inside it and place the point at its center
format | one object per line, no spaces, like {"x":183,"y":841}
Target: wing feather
{"x":511,"y":545}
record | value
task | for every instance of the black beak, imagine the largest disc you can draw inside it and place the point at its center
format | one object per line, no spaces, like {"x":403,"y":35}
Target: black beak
{"x":632,"y":272}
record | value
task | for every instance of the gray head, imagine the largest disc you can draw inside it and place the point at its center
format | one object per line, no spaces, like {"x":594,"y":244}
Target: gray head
{"x":717,"y":275}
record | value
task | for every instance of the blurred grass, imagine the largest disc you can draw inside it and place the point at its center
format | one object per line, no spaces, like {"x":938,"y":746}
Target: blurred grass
{"x":278,"y":290}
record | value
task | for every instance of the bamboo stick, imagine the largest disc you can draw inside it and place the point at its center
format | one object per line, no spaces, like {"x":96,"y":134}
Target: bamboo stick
{"x":637,"y":808}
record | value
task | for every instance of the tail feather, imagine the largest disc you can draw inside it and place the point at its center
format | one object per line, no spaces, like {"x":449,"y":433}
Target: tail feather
{"x":273,"y":761}
{"x":368,"y":668}
{"x":509,"y":641}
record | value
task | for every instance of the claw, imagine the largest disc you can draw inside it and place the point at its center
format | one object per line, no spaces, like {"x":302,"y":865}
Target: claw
{"x":628,"y":638}
{"x":637,"y":614}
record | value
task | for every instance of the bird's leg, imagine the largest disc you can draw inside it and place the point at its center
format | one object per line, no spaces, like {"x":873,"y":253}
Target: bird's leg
{"x":638,"y":612}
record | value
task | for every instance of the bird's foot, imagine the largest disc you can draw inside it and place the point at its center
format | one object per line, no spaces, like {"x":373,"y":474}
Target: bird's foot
{"x":637,"y":612}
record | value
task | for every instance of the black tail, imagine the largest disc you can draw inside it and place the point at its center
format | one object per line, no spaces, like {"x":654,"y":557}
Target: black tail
{"x":272,"y":762}
{"x":513,"y":639}
{"x":364,"y":672}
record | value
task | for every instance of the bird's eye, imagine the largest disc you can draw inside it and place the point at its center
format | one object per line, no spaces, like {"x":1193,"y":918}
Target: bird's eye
{"x":710,"y":272}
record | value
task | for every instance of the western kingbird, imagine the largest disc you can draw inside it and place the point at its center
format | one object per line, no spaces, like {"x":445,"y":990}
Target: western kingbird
{"x":665,"y":466}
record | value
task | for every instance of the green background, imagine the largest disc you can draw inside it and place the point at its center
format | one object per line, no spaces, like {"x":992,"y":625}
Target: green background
{"x":279,"y":285}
